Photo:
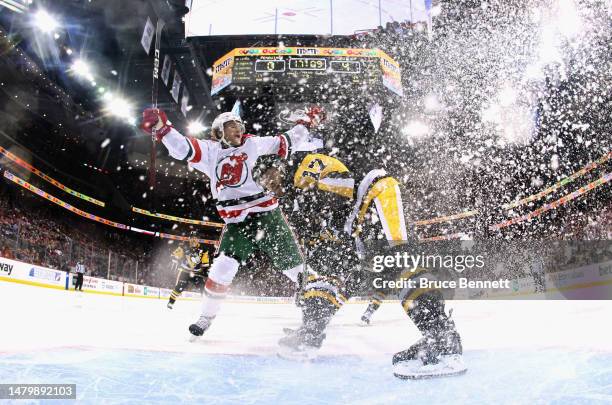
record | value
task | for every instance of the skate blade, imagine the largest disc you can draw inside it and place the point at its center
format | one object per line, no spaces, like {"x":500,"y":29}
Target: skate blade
{"x":288,"y":353}
{"x":193,"y":338}
{"x":449,"y":366}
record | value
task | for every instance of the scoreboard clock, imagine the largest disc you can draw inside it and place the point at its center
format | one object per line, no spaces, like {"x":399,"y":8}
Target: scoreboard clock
{"x":306,"y":66}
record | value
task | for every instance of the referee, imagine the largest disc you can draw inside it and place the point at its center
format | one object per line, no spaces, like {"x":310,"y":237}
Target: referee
{"x":80,"y":271}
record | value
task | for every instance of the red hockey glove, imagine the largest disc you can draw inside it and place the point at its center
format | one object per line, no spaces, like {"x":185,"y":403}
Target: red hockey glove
{"x":314,"y":116}
{"x":156,"y":120}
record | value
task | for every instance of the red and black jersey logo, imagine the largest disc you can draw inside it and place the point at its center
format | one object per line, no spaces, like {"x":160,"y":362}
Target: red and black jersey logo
{"x":232,"y":171}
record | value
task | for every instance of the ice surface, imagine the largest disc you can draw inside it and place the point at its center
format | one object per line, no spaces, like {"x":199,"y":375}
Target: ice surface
{"x":129,"y":350}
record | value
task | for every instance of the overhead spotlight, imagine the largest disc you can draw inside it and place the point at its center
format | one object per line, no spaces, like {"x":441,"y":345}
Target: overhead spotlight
{"x":45,"y":21}
{"x":118,"y":107}
{"x":82,"y":69}
{"x":195,"y":127}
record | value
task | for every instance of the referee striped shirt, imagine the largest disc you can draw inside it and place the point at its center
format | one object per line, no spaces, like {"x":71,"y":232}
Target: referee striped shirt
{"x":80,"y":268}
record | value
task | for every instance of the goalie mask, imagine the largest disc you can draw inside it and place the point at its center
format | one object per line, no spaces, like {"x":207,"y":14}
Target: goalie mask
{"x":218,"y":131}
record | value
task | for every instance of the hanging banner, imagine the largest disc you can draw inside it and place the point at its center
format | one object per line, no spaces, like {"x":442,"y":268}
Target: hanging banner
{"x":185,"y":102}
{"x":176,"y":86}
{"x":376,"y":115}
{"x":165,"y":74}
{"x":237,"y":108}
{"x":147,"y":36}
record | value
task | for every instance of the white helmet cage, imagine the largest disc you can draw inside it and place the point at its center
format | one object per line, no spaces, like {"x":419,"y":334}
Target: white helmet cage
{"x":222,"y":118}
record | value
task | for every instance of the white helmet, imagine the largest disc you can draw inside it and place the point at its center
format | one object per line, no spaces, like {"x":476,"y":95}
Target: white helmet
{"x":221,"y":119}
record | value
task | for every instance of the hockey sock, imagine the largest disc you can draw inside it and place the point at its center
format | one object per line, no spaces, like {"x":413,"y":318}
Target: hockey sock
{"x":173,"y":296}
{"x":219,"y":280}
{"x":321,"y":300}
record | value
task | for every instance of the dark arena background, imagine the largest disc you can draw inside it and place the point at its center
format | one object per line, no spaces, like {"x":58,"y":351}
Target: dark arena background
{"x":493,"y":116}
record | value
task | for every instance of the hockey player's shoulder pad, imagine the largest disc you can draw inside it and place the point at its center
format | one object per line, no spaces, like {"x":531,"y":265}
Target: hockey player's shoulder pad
{"x":327,"y":173}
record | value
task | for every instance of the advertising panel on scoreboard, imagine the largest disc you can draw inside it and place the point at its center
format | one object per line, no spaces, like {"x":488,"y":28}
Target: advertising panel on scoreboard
{"x":222,"y":73}
{"x":392,"y":78}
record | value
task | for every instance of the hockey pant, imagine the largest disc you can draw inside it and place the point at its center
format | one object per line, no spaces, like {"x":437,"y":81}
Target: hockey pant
{"x":266,"y":231}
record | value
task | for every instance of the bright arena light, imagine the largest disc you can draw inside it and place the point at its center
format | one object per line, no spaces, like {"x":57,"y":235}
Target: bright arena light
{"x":118,"y":107}
{"x":415,"y":129}
{"x":195,"y":127}
{"x":82,"y":69}
{"x":45,"y":21}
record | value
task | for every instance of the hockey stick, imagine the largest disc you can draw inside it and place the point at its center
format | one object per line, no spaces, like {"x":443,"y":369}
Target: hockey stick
{"x":154,"y":94}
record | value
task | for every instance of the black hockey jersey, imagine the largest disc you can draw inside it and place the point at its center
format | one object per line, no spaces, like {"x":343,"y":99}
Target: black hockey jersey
{"x":195,"y":260}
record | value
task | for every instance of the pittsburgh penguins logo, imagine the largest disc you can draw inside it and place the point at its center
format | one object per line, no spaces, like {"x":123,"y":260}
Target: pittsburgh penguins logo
{"x":232,"y":171}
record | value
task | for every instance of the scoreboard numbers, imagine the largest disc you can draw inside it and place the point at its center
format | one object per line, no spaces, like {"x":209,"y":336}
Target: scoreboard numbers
{"x":342,"y":66}
{"x":269,"y":65}
{"x":307,"y":64}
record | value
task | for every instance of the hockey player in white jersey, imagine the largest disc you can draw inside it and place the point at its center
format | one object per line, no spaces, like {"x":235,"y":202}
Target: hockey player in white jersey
{"x":253,"y":219}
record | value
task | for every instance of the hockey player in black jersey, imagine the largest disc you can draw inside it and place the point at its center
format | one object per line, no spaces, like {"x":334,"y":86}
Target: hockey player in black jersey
{"x":333,"y":213}
{"x":192,"y":263}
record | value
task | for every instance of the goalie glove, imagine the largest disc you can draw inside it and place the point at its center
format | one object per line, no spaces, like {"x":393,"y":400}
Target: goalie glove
{"x":155,"y":120}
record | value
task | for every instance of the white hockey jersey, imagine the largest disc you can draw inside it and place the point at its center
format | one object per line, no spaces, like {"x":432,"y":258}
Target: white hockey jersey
{"x":230,"y":169}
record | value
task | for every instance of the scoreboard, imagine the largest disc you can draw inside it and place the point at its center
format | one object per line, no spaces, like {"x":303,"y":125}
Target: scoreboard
{"x":306,"y":66}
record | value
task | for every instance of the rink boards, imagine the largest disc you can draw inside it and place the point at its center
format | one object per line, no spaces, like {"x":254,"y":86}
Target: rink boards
{"x":586,"y":282}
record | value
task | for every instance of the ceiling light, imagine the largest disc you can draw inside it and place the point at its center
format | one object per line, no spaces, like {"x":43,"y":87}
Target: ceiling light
{"x":45,"y":21}
{"x":195,"y":127}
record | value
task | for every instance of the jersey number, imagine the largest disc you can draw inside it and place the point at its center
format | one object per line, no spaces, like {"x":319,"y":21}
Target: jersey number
{"x":316,"y":168}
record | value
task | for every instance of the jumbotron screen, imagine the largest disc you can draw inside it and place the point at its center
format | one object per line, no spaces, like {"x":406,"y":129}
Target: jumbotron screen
{"x":306,"y":66}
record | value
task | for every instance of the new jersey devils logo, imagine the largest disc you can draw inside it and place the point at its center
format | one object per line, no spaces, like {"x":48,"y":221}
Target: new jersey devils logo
{"x":231,"y":171}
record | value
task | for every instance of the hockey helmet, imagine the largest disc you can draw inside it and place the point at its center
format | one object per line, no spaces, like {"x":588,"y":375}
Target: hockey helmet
{"x":193,"y":239}
{"x":219,"y":122}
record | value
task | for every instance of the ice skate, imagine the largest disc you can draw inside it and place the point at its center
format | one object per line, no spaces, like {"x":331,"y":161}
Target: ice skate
{"x":436,"y":355}
{"x":365,"y":320}
{"x":300,"y":344}
{"x":197,"y":329}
